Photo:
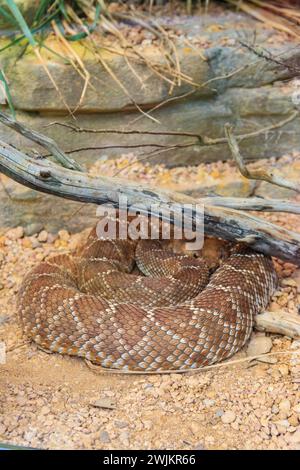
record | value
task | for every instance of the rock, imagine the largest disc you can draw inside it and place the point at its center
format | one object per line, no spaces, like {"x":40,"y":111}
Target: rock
{"x":106,"y":403}
{"x":2,"y":430}
{"x":45,"y":410}
{"x":259,"y":345}
{"x":294,"y":438}
{"x":235,"y":426}
{"x":26,"y":243}
{"x":288,"y":283}
{"x":121,"y":424}
{"x":295,"y":344}
{"x":34,"y":242}
{"x":33,"y":229}
{"x":51,"y":238}
{"x":200,"y":446}
{"x":15,"y":233}
{"x":274,"y":307}
{"x":228,"y":417}
{"x":285,"y":406}
{"x":293,"y":420}
{"x":284,"y":369}
{"x":297,"y":409}
{"x":43,"y":236}
{"x":208,"y":403}
{"x":64,"y":235}
{"x":104,"y":437}
{"x":124,"y":438}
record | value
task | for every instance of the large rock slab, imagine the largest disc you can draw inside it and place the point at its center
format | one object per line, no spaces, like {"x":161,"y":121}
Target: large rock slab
{"x":247,"y":109}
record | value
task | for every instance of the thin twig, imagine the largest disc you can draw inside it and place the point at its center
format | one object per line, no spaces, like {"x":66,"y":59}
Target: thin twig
{"x":261,"y":174}
{"x":123,"y":132}
{"x":99,"y":369}
{"x":202,"y":140}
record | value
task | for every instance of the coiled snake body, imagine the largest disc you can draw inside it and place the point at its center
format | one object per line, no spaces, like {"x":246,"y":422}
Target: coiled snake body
{"x":170,"y":315}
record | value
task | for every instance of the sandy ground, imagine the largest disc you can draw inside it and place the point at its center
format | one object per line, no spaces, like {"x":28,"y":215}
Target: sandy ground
{"x":52,"y":401}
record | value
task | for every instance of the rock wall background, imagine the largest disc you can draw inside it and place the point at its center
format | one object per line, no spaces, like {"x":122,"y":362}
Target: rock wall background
{"x":249,"y":92}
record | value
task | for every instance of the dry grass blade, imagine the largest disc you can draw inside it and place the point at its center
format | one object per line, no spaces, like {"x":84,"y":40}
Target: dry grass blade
{"x":275,"y":20}
{"x":76,"y":63}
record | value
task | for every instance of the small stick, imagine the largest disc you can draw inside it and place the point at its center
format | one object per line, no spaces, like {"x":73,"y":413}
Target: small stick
{"x":99,"y":369}
{"x":261,"y":174}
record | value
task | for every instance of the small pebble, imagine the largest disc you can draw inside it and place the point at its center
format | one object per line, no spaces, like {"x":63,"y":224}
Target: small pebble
{"x":259,"y":345}
{"x":43,"y":236}
{"x":33,"y":229}
{"x":228,"y":417}
{"x":15,"y":233}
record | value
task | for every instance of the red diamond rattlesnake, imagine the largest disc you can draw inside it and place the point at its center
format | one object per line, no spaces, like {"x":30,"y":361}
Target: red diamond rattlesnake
{"x":91,"y":305}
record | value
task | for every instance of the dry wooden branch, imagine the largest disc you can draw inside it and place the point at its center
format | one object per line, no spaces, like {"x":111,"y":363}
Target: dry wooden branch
{"x":226,"y":223}
{"x":252,"y":204}
{"x":46,"y":142}
{"x":282,"y":323}
{"x":260,"y":174}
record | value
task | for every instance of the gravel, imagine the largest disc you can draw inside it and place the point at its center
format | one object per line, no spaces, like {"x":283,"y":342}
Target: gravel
{"x":57,"y":402}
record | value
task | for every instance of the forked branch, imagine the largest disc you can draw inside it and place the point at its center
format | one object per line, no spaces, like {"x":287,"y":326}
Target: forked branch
{"x":261,"y":174}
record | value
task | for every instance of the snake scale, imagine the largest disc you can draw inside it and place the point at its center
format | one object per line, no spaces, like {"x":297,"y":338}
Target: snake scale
{"x":135,"y":305}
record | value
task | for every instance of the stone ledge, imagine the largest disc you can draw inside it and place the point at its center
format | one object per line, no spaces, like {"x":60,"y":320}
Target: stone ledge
{"x":247,"y":109}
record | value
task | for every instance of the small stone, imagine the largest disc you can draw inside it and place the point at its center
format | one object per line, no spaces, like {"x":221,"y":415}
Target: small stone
{"x":106,"y":403}
{"x":259,"y":345}
{"x":30,"y":434}
{"x":15,"y":233}
{"x":295,"y":344}
{"x":43,"y":236}
{"x":35,"y":243}
{"x":199,"y":446}
{"x":51,"y":238}
{"x":282,"y":425}
{"x":289,"y":283}
{"x":124,"y":438}
{"x":195,"y":427}
{"x":294,"y":438}
{"x":235,"y":426}
{"x":274,"y":307}
{"x":293,"y":420}
{"x":296,"y":409}
{"x":26,"y":243}
{"x":64,"y":235}
{"x":45,"y":410}
{"x":2,"y":429}
{"x":104,"y":437}
{"x":208,"y":403}
{"x":285,"y":406}
{"x":228,"y":417}
{"x":33,"y":229}
{"x":121,"y":424}
{"x":284,"y":369}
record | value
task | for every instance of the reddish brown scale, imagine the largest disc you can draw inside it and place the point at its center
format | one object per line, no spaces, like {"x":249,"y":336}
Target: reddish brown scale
{"x":167,"y":315}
